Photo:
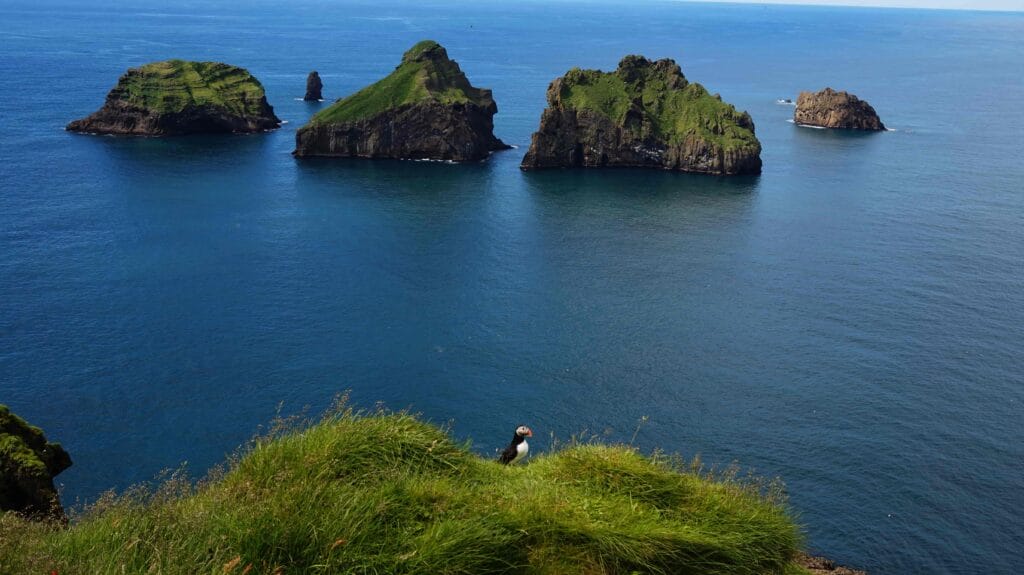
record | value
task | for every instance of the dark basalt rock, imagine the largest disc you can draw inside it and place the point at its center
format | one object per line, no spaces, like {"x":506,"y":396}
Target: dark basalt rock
{"x":28,"y":464}
{"x":831,"y":109}
{"x":425,"y":109}
{"x":823,"y":566}
{"x":426,"y":130}
{"x":313,"y":87}
{"x":644,"y":115}
{"x":178,"y":97}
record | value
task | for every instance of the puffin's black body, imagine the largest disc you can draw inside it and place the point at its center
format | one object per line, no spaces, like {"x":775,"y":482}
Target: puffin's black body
{"x":518,"y":448}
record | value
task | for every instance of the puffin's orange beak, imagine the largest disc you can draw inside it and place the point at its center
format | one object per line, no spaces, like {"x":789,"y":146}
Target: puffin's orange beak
{"x":529,"y":432}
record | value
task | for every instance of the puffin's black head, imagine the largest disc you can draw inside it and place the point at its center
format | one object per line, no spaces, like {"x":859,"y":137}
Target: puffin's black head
{"x":523,"y":431}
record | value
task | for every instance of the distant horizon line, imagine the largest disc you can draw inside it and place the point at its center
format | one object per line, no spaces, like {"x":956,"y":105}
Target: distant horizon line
{"x":846,"y":4}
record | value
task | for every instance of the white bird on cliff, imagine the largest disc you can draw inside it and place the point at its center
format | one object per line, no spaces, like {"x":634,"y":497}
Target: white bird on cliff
{"x":518,"y":449}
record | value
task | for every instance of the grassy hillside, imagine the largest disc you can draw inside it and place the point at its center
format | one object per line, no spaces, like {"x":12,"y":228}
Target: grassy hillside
{"x":670,"y":107}
{"x":425,"y":73}
{"x":387,"y":493}
{"x":172,"y":85}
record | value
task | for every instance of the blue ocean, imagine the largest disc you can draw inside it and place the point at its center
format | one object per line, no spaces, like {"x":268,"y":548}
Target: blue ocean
{"x":851,"y":321}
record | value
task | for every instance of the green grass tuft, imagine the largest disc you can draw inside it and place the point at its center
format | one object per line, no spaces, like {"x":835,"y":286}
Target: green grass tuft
{"x":420,"y":49}
{"x":388,"y":493}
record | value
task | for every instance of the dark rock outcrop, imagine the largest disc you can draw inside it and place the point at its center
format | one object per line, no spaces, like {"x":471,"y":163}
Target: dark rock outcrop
{"x":823,"y":566}
{"x":28,"y":464}
{"x":644,"y":115}
{"x":831,"y":109}
{"x":425,"y":109}
{"x":178,"y":97}
{"x":313,"y":87}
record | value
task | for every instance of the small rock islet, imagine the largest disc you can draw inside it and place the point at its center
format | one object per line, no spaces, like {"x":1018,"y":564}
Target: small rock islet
{"x":28,"y":464}
{"x":838,"y":110}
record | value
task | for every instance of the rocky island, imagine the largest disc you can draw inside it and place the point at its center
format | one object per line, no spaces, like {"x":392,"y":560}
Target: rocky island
{"x":313,"y":87}
{"x":644,"y":115}
{"x":178,"y":97}
{"x":28,"y":464}
{"x":831,"y":109}
{"x":425,"y":109}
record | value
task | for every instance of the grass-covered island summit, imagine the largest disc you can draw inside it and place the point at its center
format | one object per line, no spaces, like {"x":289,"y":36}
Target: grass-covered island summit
{"x":424,"y":109}
{"x":388,"y":493}
{"x":645,"y":114}
{"x":178,"y":97}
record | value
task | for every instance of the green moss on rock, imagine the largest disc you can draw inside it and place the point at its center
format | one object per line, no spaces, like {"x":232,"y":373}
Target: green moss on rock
{"x":28,"y":464}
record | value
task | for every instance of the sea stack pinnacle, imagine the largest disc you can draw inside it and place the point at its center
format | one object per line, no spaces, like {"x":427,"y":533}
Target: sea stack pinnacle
{"x":313,"y":87}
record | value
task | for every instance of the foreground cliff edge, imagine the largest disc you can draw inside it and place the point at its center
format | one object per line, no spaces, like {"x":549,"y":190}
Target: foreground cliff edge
{"x":643,"y":115}
{"x":178,"y":97}
{"x":425,"y":109}
{"x":387,"y":493}
{"x":28,"y":464}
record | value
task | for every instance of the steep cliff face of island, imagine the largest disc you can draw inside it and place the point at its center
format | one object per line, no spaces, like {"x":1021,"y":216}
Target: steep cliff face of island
{"x":645,"y":115}
{"x":178,"y":97}
{"x":831,"y":109}
{"x":28,"y":464}
{"x":313,"y":87}
{"x":425,"y":109}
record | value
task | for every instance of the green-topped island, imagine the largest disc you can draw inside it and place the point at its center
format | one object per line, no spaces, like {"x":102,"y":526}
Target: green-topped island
{"x":645,"y":115}
{"x":424,"y":109}
{"x":178,"y":97}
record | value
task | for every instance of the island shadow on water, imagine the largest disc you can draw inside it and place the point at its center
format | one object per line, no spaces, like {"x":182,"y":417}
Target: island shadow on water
{"x":375,"y":177}
{"x":170,"y":153}
{"x":638,"y":183}
{"x":431,"y":178}
{"x":838,"y":133}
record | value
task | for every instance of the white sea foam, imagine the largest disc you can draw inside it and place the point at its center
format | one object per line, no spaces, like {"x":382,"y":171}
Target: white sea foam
{"x":791,"y":121}
{"x":434,"y":161}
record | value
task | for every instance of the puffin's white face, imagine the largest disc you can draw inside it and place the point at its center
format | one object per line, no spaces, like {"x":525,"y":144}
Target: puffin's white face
{"x":523,"y":431}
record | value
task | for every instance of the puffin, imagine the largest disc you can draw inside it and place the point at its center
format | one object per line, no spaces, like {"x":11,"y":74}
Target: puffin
{"x":518,"y":449}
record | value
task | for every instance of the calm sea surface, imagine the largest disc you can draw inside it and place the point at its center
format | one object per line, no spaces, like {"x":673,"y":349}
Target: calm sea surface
{"x":850,"y":321}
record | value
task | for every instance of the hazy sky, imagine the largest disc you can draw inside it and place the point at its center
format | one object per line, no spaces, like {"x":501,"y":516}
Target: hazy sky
{"x":958,"y":4}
